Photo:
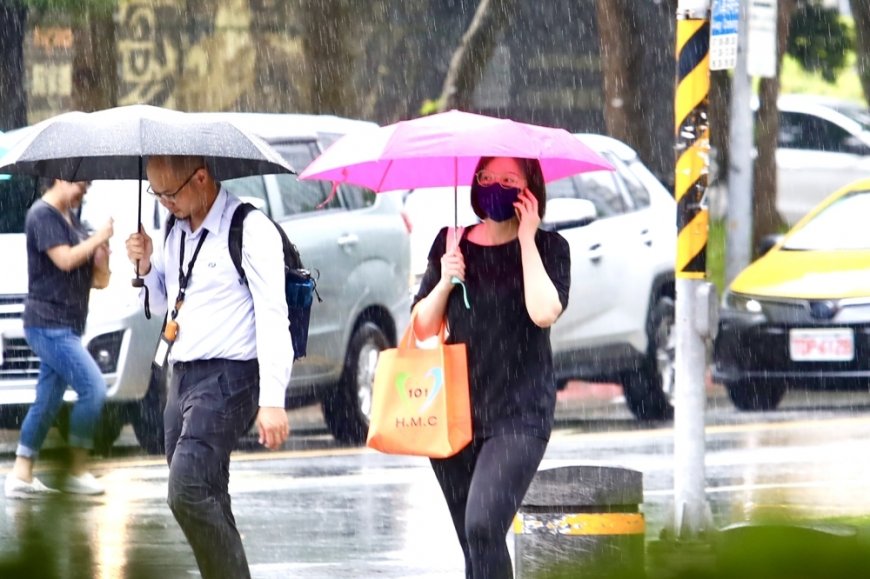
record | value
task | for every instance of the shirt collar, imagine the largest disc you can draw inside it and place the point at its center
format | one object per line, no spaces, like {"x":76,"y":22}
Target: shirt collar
{"x":212,"y":221}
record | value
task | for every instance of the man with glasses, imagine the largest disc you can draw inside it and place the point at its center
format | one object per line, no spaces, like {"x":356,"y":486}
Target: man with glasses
{"x":226,"y":345}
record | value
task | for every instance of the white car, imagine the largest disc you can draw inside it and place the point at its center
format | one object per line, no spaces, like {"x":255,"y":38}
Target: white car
{"x":618,"y":326}
{"x":823,"y":144}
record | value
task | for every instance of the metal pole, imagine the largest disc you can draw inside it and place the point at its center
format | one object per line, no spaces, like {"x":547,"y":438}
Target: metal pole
{"x":738,"y":238}
{"x":692,"y":167}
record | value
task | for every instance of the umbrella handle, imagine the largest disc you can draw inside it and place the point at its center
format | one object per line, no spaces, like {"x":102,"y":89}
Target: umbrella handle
{"x":459,"y":282}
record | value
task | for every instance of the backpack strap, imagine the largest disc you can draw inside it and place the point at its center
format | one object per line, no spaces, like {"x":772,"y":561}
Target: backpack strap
{"x":167,"y":227}
{"x":237,"y":225}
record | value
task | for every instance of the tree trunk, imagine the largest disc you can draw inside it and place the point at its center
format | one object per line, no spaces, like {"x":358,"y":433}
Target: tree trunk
{"x":766,"y":219}
{"x":327,"y":29}
{"x":631,"y":72}
{"x":473,"y":53}
{"x":13,"y":18}
{"x":614,"y":24}
{"x":861,"y":13}
{"x":94,"y":73}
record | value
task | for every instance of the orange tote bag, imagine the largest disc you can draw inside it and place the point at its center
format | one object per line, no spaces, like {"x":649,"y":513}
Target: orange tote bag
{"x":420,"y":403}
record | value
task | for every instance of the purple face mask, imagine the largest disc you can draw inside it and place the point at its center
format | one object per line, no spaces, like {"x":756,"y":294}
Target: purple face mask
{"x":497,"y":202}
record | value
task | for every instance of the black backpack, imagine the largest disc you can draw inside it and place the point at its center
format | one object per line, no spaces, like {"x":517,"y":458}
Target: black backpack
{"x":299,"y":286}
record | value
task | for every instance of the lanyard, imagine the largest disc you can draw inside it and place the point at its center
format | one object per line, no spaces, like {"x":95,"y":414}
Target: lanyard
{"x":184,"y":279}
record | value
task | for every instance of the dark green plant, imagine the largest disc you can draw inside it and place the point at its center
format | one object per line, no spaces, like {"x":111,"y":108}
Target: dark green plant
{"x":819,"y":39}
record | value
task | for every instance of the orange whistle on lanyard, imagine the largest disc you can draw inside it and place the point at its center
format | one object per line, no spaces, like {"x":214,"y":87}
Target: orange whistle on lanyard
{"x":171,"y":330}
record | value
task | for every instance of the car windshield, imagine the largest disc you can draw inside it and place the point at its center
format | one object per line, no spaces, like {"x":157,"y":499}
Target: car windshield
{"x":858,"y":114}
{"x":842,"y":225}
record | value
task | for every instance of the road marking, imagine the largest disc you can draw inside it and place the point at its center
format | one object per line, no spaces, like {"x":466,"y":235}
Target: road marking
{"x":721,"y":429}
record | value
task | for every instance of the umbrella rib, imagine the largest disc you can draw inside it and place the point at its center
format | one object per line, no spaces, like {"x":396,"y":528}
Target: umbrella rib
{"x":384,"y":176}
{"x":76,"y":170}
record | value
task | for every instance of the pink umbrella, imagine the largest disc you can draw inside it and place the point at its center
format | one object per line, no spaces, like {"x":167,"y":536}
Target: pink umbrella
{"x":443,"y":149}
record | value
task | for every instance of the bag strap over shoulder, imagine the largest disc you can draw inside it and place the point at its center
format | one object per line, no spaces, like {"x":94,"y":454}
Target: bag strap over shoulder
{"x":237,"y":224}
{"x":409,"y":339}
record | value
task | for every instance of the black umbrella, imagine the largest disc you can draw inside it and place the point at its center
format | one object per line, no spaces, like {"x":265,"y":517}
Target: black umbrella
{"x":111,"y":144}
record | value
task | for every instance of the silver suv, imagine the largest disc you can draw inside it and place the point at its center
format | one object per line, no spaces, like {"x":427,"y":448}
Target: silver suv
{"x":357,"y":243}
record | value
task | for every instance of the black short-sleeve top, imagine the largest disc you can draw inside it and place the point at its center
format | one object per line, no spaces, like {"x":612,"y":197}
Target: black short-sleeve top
{"x":509,"y":358}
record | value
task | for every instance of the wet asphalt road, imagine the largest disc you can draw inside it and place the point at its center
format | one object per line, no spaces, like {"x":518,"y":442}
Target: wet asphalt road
{"x":317,"y":510}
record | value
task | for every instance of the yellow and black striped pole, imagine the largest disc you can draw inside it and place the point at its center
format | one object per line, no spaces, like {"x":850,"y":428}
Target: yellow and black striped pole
{"x":692,"y":145}
{"x":692,"y":323}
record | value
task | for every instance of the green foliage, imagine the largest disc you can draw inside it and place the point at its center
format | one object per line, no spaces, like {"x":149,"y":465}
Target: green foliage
{"x":795,"y":79}
{"x":819,"y":39}
{"x":716,"y":254}
{"x":430,"y":107}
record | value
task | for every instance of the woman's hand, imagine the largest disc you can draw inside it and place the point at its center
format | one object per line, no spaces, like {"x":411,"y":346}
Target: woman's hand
{"x":106,"y":231}
{"x":452,"y":264}
{"x":526,"y":206}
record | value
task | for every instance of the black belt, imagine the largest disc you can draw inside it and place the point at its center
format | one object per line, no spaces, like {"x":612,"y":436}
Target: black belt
{"x":207,"y":364}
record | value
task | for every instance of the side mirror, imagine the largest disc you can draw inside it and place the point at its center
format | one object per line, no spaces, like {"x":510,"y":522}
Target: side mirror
{"x":568,"y":213}
{"x":767,"y":242}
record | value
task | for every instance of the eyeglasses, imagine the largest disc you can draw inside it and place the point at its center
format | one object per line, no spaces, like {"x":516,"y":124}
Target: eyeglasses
{"x":506,"y":180}
{"x":171,"y":196}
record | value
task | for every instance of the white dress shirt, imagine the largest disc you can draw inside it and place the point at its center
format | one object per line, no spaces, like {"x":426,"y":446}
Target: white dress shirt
{"x":220,"y":316}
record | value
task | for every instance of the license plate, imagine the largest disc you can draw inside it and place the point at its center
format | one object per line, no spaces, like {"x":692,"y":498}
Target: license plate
{"x":821,"y":345}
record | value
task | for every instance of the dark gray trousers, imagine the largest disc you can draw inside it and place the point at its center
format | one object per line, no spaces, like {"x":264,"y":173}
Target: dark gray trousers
{"x":210,"y":404}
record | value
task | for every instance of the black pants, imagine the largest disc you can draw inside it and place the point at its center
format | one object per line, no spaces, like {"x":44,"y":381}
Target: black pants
{"x":484,"y":486}
{"x":211,"y":403}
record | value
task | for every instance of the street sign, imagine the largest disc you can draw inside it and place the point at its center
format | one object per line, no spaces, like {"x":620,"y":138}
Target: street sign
{"x":723,"y":34}
{"x":761,"y":38}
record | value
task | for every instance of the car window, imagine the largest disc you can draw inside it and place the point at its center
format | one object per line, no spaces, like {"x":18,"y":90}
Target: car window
{"x":302,"y":196}
{"x":17,"y":194}
{"x":841,"y":225}
{"x":637,"y":193}
{"x":800,"y":131}
{"x":251,"y":189}
{"x":858,"y":114}
{"x":601,"y":189}
{"x":563,"y":188}
{"x":357,"y":197}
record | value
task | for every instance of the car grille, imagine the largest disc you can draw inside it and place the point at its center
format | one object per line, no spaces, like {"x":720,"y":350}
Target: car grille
{"x":764,"y":347}
{"x":19,"y":361}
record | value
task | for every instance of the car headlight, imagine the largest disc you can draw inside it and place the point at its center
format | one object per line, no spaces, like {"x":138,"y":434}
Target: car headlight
{"x":741,"y":303}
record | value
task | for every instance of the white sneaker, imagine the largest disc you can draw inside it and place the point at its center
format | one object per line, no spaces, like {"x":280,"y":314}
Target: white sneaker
{"x":84,"y":484}
{"x":15,"y":488}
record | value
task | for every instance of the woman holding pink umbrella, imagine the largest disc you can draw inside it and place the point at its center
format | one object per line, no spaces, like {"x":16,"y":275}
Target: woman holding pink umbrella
{"x":517,"y":277}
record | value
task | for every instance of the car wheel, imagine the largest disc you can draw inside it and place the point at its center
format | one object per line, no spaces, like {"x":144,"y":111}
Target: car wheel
{"x":147,"y":415}
{"x":107,"y":431}
{"x":650,"y":388}
{"x":755,"y":396}
{"x":347,"y":408}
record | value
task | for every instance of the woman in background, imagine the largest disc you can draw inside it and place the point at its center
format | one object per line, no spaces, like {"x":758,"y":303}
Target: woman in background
{"x":60,"y":263}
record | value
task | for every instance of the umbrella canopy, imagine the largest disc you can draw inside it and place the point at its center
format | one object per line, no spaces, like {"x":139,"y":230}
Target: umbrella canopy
{"x":110,"y":144}
{"x":444,"y":149}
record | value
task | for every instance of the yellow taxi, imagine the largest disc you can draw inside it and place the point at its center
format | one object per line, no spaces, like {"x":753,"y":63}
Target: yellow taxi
{"x":799,"y":316}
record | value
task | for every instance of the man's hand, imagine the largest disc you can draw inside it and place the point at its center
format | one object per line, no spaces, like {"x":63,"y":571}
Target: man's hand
{"x":139,"y":249}
{"x":273,"y":426}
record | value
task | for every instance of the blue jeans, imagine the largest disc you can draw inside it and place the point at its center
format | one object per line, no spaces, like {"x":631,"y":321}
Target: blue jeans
{"x":63,"y":361}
